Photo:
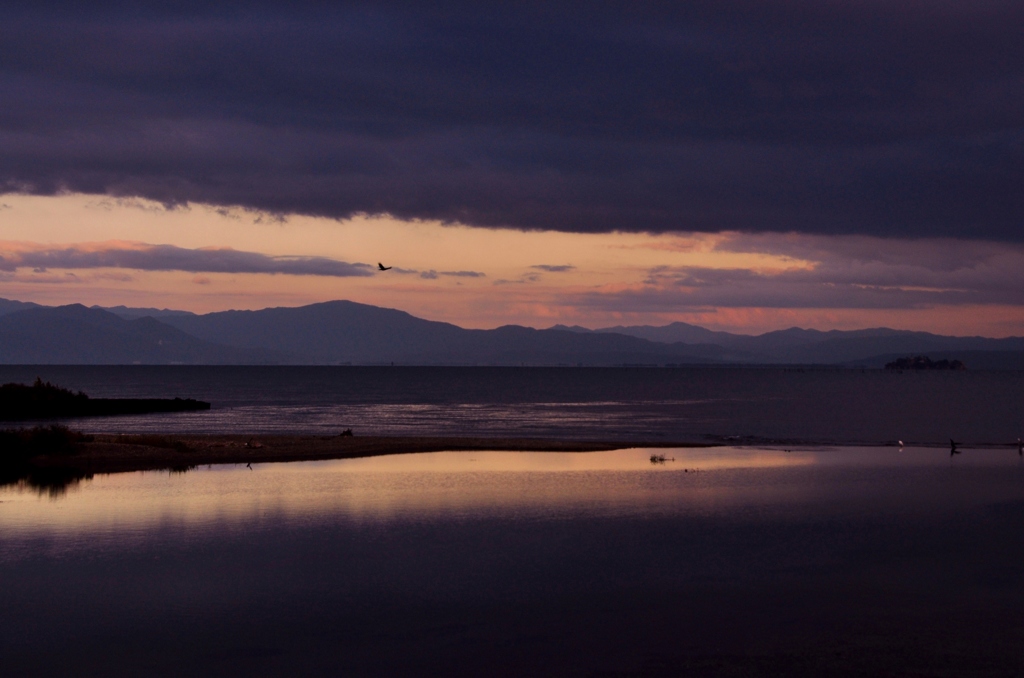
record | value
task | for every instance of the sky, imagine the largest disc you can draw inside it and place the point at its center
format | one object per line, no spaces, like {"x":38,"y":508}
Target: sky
{"x":741,"y":165}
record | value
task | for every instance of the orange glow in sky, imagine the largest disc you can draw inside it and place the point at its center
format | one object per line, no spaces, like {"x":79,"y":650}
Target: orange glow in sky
{"x":473,"y":277}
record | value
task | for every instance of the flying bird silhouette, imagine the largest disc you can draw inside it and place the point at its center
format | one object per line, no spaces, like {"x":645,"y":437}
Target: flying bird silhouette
{"x":383,"y":267}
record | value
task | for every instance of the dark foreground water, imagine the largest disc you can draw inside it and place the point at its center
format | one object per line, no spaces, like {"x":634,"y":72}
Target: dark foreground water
{"x":723,"y":561}
{"x":684,"y":404}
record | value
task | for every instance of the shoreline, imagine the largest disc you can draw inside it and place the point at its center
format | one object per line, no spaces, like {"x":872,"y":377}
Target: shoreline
{"x":104,"y":453}
{"x":123,"y":453}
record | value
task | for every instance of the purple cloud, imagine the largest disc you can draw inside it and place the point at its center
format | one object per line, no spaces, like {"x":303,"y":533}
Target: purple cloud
{"x":834,"y":273}
{"x":170,"y":258}
{"x":894,"y":119}
{"x":464,"y":274}
{"x":434,"y":275}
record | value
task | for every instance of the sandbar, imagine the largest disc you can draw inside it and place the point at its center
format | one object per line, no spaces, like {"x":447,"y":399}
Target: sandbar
{"x":135,"y":452}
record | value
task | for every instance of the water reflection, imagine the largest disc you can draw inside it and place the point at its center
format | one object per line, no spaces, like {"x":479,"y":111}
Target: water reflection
{"x":51,"y":482}
{"x":685,"y":404}
{"x":849,"y":561}
{"x":445,"y":485}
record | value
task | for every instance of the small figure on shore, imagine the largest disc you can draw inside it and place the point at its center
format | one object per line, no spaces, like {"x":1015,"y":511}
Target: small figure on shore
{"x":249,"y":466}
{"x":953,"y":448}
{"x":347,"y":433}
{"x":901,"y":443}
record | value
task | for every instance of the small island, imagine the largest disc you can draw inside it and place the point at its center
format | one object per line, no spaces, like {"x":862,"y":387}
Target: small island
{"x":43,"y":400}
{"x":922,"y":362}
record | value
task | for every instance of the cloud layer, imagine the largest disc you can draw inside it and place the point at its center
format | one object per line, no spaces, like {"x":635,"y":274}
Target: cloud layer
{"x":145,"y":257}
{"x":554,"y":268}
{"x":820,"y":116}
{"x":434,"y":275}
{"x":849,"y":272}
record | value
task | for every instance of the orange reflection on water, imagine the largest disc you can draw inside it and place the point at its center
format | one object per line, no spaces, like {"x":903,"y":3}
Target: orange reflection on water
{"x":420,"y":486}
{"x":634,"y":459}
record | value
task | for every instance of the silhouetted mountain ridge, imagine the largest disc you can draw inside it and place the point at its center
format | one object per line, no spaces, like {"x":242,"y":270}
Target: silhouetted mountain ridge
{"x":677,"y":332}
{"x":11,"y":306}
{"x":75,"y":334}
{"x":347,"y":332}
{"x":131,"y":313}
{"x":340,"y":332}
{"x":798,"y":345}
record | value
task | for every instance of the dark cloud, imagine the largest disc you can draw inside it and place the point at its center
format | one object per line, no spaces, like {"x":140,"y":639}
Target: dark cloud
{"x":170,"y":258}
{"x":561,"y":268}
{"x":836,"y":273}
{"x":827,"y":116}
{"x":526,"y":279}
{"x":464,"y":274}
{"x":434,"y":275}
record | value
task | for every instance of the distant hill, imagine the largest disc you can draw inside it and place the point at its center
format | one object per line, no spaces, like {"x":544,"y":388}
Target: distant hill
{"x":11,"y":306}
{"x":130,"y":313}
{"x":666,"y":334}
{"x":347,"y":332}
{"x":802,"y":346}
{"x":78,"y":335}
{"x":335,"y":331}
{"x":344,"y":332}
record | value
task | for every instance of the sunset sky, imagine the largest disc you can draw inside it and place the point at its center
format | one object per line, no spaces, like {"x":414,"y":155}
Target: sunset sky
{"x":740,"y":165}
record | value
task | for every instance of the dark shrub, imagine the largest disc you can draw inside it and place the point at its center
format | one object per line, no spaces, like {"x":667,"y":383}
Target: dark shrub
{"x":41,"y":399}
{"x":24,"y":443}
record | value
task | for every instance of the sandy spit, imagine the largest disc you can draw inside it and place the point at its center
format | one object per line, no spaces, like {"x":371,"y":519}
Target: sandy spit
{"x":121,"y":453}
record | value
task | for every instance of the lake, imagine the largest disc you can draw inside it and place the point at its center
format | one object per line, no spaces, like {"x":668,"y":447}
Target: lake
{"x":751,"y":405}
{"x":719,"y":561}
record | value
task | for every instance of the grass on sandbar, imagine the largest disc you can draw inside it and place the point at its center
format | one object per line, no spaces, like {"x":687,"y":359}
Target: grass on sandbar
{"x":154,"y":440}
{"x":25,"y":443}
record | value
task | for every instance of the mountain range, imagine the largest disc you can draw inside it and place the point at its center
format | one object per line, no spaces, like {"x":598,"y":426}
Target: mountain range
{"x":344,"y":332}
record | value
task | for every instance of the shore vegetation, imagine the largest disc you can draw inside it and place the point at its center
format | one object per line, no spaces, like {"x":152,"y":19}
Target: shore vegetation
{"x":43,"y":400}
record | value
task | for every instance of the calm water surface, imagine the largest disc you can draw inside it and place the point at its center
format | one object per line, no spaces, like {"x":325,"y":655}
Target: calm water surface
{"x":638,"y":404}
{"x":720,"y":561}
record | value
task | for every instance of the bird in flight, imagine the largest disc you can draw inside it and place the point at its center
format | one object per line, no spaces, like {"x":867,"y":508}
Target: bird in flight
{"x":383,"y":267}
